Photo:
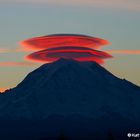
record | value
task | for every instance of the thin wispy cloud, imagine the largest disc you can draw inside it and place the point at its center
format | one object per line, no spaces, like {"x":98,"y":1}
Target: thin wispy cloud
{"x":4,"y":50}
{"x":133,"y":52}
{"x":13,"y":50}
{"x":23,"y":49}
{"x":119,"y":4}
{"x":24,"y":63}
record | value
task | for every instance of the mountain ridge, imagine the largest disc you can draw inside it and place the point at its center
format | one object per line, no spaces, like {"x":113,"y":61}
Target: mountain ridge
{"x":76,"y":96}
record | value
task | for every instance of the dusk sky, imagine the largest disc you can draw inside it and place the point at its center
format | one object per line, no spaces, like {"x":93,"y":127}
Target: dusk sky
{"x":117,"y":21}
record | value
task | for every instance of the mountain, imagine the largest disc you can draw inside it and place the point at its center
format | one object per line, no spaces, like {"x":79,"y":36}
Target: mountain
{"x":81,"y":100}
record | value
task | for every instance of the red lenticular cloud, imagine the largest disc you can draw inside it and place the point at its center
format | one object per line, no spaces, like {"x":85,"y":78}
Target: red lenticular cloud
{"x":68,"y":52}
{"x":57,"y":40}
{"x":68,"y":46}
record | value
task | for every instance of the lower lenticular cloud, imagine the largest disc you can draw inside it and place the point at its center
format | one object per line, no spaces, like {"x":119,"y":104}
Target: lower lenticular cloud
{"x":68,"y":52}
{"x":68,"y":46}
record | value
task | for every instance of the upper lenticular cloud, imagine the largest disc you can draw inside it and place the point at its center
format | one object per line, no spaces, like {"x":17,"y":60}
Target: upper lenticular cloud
{"x":68,"y":46}
{"x":56,"y":40}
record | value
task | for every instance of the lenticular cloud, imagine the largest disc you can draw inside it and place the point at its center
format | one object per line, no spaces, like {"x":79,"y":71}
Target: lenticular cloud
{"x":69,"y":46}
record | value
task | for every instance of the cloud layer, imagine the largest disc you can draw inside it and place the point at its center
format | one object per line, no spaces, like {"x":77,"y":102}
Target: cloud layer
{"x":9,"y":64}
{"x":118,"y":4}
{"x":127,"y":52}
{"x":4,"y":50}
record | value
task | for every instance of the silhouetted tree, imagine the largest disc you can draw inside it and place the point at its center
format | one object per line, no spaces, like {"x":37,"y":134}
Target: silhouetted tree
{"x":62,"y":137}
{"x":110,"y":136}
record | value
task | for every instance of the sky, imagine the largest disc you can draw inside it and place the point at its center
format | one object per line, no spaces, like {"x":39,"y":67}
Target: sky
{"x":114,"y":20}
